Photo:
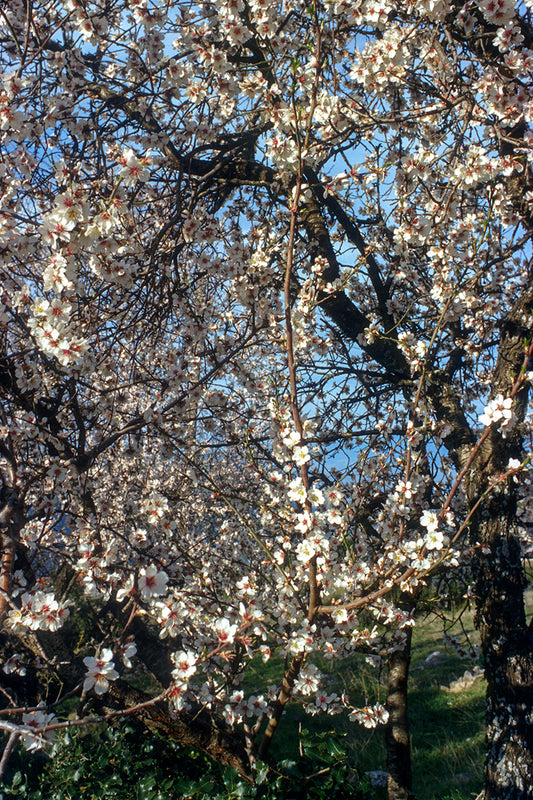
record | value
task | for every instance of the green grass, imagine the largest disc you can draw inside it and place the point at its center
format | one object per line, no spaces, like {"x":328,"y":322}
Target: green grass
{"x":446,"y":728}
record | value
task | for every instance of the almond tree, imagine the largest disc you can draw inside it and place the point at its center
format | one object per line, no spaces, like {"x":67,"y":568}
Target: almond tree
{"x":267,"y":315}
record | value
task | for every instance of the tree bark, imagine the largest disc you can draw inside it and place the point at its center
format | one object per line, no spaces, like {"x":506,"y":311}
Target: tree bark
{"x":397,"y":740}
{"x":506,"y":639}
{"x":507,"y":646}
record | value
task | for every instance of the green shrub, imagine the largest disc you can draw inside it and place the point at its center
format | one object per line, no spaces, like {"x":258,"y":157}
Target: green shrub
{"x":124,"y":763}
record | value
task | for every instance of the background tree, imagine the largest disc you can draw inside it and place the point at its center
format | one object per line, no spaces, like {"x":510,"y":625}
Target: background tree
{"x":267,"y":316}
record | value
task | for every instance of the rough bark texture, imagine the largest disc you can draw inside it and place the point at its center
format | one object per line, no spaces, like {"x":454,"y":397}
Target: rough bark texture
{"x":397,"y":738}
{"x":197,"y":727}
{"x":507,"y":645}
{"x":506,"y":639}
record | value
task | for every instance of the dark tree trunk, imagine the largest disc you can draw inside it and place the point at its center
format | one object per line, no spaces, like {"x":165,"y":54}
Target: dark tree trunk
{"x":506,"y":639}
{"x":397,"y":739}
{"x":507,"y":646}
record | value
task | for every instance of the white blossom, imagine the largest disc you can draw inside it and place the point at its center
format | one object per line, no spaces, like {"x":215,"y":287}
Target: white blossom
{"x":36,"y":720}
{"x":100,"y":671}
{"x":152,"y":582}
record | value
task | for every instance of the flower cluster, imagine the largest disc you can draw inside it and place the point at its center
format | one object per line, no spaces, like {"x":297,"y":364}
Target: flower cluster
{"x":499,"y":410}
{"x":370,"y":716}
{"x":38,"y":611}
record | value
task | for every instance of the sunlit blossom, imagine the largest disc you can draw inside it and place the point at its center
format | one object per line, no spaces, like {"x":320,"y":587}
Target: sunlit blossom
{"x":152,"y":582}
{"x":100,"y":671}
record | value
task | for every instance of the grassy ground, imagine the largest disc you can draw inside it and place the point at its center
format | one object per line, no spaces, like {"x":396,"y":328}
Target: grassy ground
{"x":446,"y":726}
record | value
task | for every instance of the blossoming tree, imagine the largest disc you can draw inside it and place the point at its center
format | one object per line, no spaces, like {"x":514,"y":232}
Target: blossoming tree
{"x":266,"y":331}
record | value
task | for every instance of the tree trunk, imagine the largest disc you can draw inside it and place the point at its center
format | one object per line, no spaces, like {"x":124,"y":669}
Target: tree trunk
{"x":507,"y":646}
{"x":397,"y":740}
